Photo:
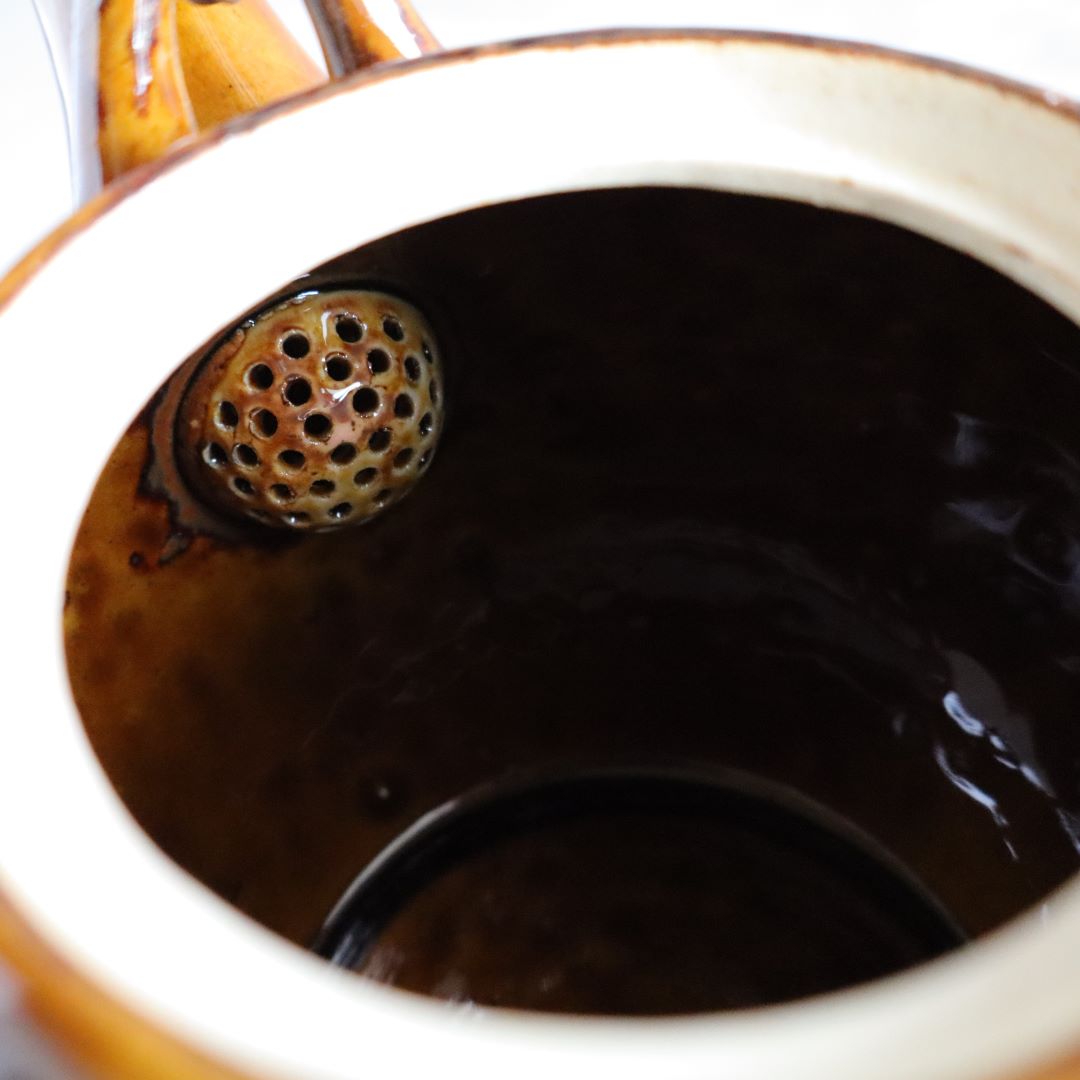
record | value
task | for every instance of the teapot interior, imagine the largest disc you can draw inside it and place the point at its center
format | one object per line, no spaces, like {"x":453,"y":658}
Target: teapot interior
{"x":726,"y":481}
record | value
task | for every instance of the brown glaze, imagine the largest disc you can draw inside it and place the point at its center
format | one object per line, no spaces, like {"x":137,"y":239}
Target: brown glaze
{"x":238,"y":56}
{"x":633,"y":892}
{"x":1067,"y":1070}
{"x":143,"y":103}
{"x":728,"y":486}
{"x":637,"y":915}
{"x":352,"y":39}
{"x":169,"y":67}
{"x":320,"y":413}
{"x":110,"y":1040}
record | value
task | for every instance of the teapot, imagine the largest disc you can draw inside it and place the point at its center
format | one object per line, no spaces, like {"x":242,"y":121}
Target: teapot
{"x":134,"y":965}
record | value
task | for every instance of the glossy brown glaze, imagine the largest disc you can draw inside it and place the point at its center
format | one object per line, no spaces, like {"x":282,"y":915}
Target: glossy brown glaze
{"x":723,"y":481}
{"x":320,"y":413}
{"x":637,"y":915}
{"x":142,"y":101}
{"x":352,"y":38}
{"x":633,"y":892}
{"x":238,"y":56}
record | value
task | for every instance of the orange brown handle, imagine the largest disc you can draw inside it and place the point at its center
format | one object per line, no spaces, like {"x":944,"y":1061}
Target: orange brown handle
{"x":143,"y":105}
{"x":355,"y":34}
{"x":237,"y":57}
{"x":170,"y":68}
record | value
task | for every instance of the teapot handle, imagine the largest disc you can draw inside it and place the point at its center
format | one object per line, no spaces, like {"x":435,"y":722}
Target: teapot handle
{"x":167,"y":69}
{"x":355,"y":34}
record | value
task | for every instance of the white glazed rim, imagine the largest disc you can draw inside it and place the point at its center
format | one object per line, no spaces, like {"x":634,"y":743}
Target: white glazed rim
{"x":945,"y":152}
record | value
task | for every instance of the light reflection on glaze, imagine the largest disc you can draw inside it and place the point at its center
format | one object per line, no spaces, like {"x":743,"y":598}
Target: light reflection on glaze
{"x":972,"y":791}
{"x":1070,"y":823}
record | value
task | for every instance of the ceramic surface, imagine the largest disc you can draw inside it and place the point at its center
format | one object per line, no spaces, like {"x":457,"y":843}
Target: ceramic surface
{"x":986,"y":167}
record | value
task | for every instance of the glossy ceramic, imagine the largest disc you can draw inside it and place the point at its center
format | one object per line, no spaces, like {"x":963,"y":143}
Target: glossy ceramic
{"x":138,"y":967}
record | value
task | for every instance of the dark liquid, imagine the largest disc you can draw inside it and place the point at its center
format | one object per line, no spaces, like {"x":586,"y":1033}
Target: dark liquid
{"x":725,"y":482}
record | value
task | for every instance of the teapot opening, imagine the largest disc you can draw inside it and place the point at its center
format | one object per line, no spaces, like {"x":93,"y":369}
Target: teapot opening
{"x":725,"y":484}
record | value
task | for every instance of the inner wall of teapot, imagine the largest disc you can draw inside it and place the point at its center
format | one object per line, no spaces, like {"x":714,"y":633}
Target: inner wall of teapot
{"x":726,"y":484}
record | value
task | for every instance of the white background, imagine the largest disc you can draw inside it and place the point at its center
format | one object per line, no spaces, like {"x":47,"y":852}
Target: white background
{"x":1037,"y":41}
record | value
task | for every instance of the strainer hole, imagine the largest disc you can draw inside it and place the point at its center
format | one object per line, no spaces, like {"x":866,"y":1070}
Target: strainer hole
{"x":245,"y":455}
{"x":433,"y":390}
{"x":317,"y":426}
{"x":379,"y":440}
{"x":403,"y":457}
{"x":296,"y":345}
{"x":281,"y":492}
{"x":337,"y":367}
{"x":322,"y":488}
{"x":349,"y":329}
{"x":243,"y":485}
{"x":291,"y":459}
{"x":393,"y":329}
{"x":412,"y":368}
{"x":425,"y":457}
{"x":425,"y":348}
{"x":296,"y":517}
{"x":342,"y":510}
{"x":378,"y":361}
{"x":384,"y":496}
{"x":365,"y":401}
{"x":365,"y":477}
{"x":343,"y":454}
{"x":403,"y":406}
{"x":265,"y":423}
{"x":297,"y":391}
{"x":214,"y":454}
{"x":227,"y":416}
{"x":260,"y":377}
{"x":427,"y":422}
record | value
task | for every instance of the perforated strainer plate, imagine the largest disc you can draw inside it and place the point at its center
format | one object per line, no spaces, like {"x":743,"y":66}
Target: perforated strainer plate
{"x":318,"y":413}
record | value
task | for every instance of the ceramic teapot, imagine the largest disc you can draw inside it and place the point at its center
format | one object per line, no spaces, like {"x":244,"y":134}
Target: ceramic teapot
{"x":140,"y":969}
